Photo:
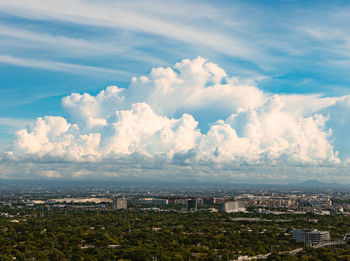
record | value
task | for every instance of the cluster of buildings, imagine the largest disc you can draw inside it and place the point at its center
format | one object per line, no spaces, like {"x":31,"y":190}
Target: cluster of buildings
{"x":298,"y":202}
{"x":293,"y":203}
{"x":286,"y":201}
{"x":195,"y":204}
{"x":320,"y":204}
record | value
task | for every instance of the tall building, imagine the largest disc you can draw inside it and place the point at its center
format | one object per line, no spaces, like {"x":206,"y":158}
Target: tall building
{"x":231,"y":207}
{"x":120,"y":203}
{"x":311,"y":236}
{"x":191,"y":205}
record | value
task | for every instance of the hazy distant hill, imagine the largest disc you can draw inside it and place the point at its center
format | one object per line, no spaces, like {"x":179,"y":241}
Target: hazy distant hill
{"x":317,"y":184}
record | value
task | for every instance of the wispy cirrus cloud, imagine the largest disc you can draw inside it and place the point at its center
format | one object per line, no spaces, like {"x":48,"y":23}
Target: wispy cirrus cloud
{"x":88,"y":47}
{"x":121,"y":16}
{"x":73,"y":46}
{"x":253,"y":33}
{"x":57,"y":66}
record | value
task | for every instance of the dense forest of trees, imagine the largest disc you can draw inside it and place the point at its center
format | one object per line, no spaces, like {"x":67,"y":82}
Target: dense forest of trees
{"x":146,"y":235}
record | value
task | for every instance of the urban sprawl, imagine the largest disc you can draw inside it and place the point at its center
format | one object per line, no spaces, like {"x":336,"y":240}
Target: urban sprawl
{"x":303,"y":220}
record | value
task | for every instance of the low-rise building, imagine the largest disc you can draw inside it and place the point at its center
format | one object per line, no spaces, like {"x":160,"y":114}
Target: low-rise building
{"x":311,"y":237}
{"x":346,"y":237}
{"x":151,"y":201}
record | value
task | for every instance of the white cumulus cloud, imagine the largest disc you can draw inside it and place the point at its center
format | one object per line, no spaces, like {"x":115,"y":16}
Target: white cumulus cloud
{"x":142,"y":120}
{"x":269,"y":134}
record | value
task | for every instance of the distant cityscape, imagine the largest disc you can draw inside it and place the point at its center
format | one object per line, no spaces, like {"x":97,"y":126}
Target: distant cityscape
{"x":247,"y":206}
{"x":208,"y":199}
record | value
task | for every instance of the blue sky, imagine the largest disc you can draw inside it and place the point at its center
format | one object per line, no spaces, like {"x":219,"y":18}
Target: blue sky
{"x":49,"y":50}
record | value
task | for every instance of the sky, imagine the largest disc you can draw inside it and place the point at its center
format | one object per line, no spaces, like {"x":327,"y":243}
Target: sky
{"x":207,"y":91}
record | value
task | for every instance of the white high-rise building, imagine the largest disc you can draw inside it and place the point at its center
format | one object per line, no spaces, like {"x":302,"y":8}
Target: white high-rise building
{"x":231,"y":207}
{"x":120,"y":203}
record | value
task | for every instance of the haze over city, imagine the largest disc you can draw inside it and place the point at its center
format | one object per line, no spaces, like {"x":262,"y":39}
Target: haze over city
{"x":226,"y":92}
